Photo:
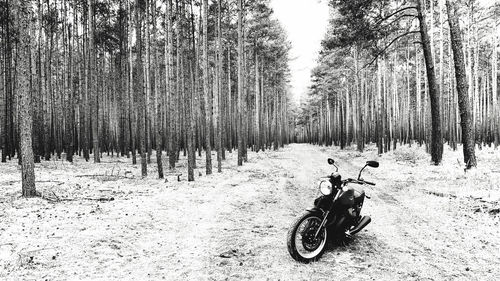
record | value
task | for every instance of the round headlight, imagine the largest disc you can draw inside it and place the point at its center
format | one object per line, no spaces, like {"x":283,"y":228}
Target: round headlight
{"x":325,"y":187}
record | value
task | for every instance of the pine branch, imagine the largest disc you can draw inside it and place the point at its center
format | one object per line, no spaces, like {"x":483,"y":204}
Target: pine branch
{"x":394,"y":13}
{"x":387,"y":47}
{"x":397,"y":19}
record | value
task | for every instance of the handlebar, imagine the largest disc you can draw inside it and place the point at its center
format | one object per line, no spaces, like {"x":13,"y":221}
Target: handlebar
{"x":360,"y":181}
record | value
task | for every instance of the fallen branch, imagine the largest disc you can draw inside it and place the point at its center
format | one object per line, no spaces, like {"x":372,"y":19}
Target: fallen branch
{"x":44,"y":181}
{"x":105,"y":176}
{"x":439,"y":194}
{"x":59,"y":182}
{"x":55,"y":198}
{"x":91,"y":176}
{"x":178,"y":175}
{"x":9,"y":182}
{"x":100,"y":199}
{"x":47,"y":197}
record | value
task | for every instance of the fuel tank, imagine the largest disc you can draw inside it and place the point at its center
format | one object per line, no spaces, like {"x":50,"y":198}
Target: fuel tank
{"x":352,"y":197}
{"x":346,"y":199}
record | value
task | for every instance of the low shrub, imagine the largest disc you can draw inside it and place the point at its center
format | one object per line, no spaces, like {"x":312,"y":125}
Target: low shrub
{"x":409,"y":154}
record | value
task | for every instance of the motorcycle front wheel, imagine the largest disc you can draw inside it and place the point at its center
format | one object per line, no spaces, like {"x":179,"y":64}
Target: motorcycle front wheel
{"x":302,"y":245}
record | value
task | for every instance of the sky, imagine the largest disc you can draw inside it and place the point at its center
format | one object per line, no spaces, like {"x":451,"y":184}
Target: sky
{"x":305,"y":22}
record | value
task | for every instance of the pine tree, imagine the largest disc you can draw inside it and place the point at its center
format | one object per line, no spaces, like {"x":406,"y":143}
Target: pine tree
{"x":206,"y":93}
{"x":21,"y":10}
{"x":460,"y":76}
{"x":139,"y":88}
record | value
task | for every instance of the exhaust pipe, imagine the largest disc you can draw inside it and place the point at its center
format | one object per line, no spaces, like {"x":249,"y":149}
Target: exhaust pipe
{"x":364,"y":221}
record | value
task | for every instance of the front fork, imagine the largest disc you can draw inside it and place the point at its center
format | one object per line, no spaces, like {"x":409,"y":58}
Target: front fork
{"x":323,"y":223}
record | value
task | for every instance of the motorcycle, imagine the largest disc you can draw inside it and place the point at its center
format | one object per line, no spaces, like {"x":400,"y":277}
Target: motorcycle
{"x":336,"y":214}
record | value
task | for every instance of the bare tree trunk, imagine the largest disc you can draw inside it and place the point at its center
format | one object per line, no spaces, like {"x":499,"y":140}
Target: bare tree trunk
{"x":229,"y":101}
{"x":7,"y":129}
{"x":206,"y":91}
{"x":158,"y":100}
{"x":240,"y":83}
{"x":460,"y":76}
{"x":257,"y":104}
{"x":441,"y":65}
{"x":24,"y":98}
{"x":218,"y":92}
{"x":494,"y":87}
{"x":131,"y":103}
{"x":244,"y":113}
{"x":139,"y":86}
{"x":147,"y":78}
{"x":48,"y":95}
{"x":188,"y":103}
{"x":436,"y":140}
{"x":93,"y":83}
{"x":359,"y":110}
{"x":37,"y":101}
{"x":172,"y":153}
{"x":69,"y":100}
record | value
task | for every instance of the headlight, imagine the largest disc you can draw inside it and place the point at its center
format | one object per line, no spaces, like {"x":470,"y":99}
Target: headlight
{"x":325,"y":187}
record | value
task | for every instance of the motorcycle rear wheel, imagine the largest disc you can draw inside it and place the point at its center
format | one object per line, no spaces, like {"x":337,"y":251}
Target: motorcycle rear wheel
{"x":302,"y":245}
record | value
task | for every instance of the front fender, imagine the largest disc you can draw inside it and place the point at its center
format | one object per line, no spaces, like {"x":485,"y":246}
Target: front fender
{"x":315,"y":210}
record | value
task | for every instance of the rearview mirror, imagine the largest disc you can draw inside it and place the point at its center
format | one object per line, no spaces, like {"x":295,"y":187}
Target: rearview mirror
{"x":373,"y":164}
{"x":331,"y":161}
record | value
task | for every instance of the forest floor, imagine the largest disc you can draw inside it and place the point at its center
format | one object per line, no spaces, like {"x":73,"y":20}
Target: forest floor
{"x":428,"y":222}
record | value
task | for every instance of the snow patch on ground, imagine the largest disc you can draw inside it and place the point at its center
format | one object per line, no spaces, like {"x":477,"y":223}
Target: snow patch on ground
{"x":429,"y":222}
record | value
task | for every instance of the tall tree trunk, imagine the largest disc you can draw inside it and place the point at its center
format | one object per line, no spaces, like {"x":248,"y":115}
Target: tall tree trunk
{"x":244,"y":118}
{"x":24,"y":97}
{"x":93,"y":83}
{"x":48,"y":94}
{"x":436,"y":139}
{"x":359,"y":110}
{"x":139,"y":86}
{"x":147,"y":81}
{"x":462,"y":87}
{"x":188,"y":102}
{"x":172,"y":153}
{"x":158,"y":99}
{"x":69,"y":107}
{"x":218,"y":92}
{"x":37,"y":101}
{"x":7,"y":132}
{"x":494,"y":87}
{"x":441,"y":65}
{"x":195,"y":93}
{"x":240,"y":83}
{"x":206,"y":90}
{"x":85,"y":118}
{"x":257,"y":104}
{"x":229,"y":102}
{"x":132,"y":120}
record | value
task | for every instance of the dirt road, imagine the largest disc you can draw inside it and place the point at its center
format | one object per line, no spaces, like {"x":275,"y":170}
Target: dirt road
{"x":232,"y":226}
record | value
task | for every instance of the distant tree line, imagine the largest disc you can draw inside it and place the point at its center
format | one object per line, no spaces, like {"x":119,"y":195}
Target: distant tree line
{"x":405,"y":72}
{"x":135,"y":77}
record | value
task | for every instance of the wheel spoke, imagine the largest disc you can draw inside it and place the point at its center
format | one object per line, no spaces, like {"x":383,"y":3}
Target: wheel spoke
{"x":308,"y":246}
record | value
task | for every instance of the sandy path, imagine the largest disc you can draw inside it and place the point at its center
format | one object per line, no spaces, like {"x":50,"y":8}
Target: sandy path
{"x":427,"y":237}
{"x":413,"y":236}
{"x":233,"y":226}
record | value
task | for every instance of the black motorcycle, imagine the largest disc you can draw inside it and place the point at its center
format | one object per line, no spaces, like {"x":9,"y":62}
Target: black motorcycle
{"x":336,"y":215}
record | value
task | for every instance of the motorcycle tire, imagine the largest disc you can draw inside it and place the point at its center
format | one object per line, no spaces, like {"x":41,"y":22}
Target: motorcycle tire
{"x":303,"y":251}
